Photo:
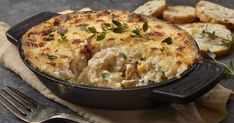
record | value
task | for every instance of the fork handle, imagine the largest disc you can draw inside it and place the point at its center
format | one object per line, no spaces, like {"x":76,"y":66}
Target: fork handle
{"x":73,"y":118}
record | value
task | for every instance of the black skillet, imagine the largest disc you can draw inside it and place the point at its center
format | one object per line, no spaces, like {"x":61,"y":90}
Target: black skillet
{"x":194,"y":82}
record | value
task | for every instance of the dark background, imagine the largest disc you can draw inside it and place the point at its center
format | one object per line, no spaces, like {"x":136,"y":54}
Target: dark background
{"x":14,"y":11}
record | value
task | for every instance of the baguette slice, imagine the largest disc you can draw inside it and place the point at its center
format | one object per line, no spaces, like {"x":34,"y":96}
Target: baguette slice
{"x":85,"y":9}
{"x":210,"y":12}
{"x":180,"y":14}
{"x":152,"y":8}
{"x":220,"y":45}
{"x":71,"y":11}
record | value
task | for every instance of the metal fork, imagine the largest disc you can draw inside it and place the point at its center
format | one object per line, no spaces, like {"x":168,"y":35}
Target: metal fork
{"x":29,"y":110}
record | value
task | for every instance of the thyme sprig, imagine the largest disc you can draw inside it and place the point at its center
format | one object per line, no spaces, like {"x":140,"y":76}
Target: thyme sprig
{"x":213,"y":35}
{"x":167,"y":40}
{"x":116,"y":27}
{"x":119,"y":27}
{"x":100,"y":35}
{"x":51,"y":57}
{"x":141,"y":32}
{"x":228,"y":68}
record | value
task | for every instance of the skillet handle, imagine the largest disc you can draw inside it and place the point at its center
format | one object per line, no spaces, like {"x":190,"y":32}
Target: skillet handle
{"x":193,"y":85}
{"x":15,"y":33}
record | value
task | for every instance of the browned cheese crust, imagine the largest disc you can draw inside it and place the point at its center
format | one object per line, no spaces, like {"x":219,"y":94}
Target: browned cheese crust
{"x":65,"y":47}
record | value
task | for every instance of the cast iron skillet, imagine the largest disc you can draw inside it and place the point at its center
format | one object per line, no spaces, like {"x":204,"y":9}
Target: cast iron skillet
{"x":195,"y":82}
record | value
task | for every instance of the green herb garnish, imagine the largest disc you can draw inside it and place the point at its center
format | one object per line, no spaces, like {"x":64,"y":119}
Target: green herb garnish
{"x":50,"y":37}
{"x":145,"y":26}
{"x":136,"y":32}
{"x":52,"y":57}
{"x":123,"y":56}
{"x":162,"y":49}
{"x":101,"y":36}
{"x":168,"y":40}
{"x":117,"y":23}
{"x":163,"y":75}
{"x":233,"y":37}
{"x":141,"y":32}
{"x":116,"y":27}
{"x":63,"y":36}
{"x":93,"y":30}
{"x":106,"y":27}
{"x":105,"y":75}
{"x":228,"y":69}
{"x":213,"y":35}
{"x":120,"y":28}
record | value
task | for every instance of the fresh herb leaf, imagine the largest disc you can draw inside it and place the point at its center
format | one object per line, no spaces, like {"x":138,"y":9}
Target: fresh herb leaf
{"x":228,"y":69}
{"x":117,"y":23}
{"x":92,"y":30}
{"x":101,"y":36}
{"x":162,"y":49}
{"x":52,"y":57}
{"x":163,"y":75}
{"x":123,"y":56}
{"x":63,"y":36}
{"x":50,"y":37}
{"x":136,"y":31}
{"x":107,"y":24}
{"x":231,"y":65}
{"x":145,"y":26}
{"x":119,"y":30}
{"x":233,"y":37}
{"x":212,"y":35}
{"x":168,"y":40}
{"x":105,"y":75}
{"x":209,"y":34}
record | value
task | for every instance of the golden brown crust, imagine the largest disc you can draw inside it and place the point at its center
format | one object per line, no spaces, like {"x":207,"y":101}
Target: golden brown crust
{"x":219,"y":45}
{"x":63,"y":42}
{"x":220,"y":53}
{"x":180,"y":14}
{"x":214,"y":16}
{"x":152,"y":8}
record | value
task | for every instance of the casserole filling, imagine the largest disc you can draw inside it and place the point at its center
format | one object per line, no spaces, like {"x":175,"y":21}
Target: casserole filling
{"x":113,"y":49}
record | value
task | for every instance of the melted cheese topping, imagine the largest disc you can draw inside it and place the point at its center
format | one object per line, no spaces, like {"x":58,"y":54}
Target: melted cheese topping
{"x":62,"y":47}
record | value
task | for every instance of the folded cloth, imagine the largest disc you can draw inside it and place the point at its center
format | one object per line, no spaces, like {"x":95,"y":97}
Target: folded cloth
{"x":210,"y":108}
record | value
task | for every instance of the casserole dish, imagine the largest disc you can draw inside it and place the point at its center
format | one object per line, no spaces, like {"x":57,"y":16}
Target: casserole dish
{"x":194,"y":82}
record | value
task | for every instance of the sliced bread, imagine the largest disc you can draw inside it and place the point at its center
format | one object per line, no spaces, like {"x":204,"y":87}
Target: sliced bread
{"x":180,"y":14}
{"x":85,"y":9}
{"x":213,"y":37}
{"x":210,"y":12}
{"x":152,"y":8}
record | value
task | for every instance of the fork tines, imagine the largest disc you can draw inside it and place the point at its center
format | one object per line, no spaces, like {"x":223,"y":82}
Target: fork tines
{"x":16,"y":102}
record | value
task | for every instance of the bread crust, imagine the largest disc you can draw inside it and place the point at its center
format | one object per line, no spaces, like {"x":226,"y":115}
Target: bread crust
{"x":219,"y":47}
{"x":150,"y":9}
{"x":201,"y":13}
{"x":177,"y":14}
